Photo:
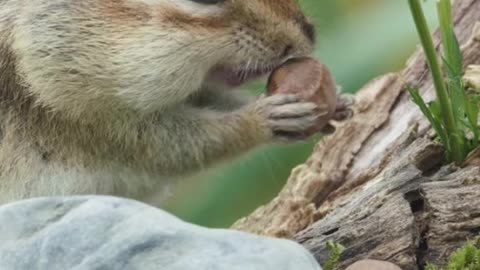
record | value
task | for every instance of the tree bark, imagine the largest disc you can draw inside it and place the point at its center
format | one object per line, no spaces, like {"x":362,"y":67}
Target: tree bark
{"x":378,"y":185}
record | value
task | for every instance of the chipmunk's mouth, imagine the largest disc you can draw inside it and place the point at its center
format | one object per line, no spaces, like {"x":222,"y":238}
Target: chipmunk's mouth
{"x":236,"y":76}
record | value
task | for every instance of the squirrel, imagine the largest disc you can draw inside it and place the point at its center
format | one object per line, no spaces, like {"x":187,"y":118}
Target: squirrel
{"x":125,"y":97}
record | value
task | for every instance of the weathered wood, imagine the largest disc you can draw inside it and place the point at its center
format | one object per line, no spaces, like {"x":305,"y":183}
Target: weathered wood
{"x":377,"y":185}
{"x":404,"y":215}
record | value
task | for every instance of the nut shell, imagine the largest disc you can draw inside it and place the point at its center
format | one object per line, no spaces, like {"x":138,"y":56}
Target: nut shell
{"x":311,"y":81}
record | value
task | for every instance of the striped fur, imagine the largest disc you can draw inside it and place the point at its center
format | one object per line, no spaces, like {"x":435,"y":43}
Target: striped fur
{"x":99,"y":96}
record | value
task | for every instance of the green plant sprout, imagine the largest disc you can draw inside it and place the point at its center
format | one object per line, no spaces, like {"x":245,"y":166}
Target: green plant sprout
{"x":465,"y":258}
{"x":454,"y":115}
{"x":335,"y":251}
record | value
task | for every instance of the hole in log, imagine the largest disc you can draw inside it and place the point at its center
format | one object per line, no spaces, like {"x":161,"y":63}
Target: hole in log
{"x":432,"y":170}
{"x":332,"y":231}
{"x":475,"y":231}
{"x":416,"y":201}
{"x":422,"y":250}
{"x":418,"y":206}
{"x":429,"y":160}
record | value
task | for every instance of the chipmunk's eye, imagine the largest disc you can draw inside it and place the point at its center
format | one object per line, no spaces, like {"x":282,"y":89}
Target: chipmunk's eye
{"x":208,"y":2}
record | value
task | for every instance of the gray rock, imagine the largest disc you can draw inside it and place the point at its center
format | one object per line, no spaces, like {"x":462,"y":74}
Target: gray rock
{"x":103,"y":233}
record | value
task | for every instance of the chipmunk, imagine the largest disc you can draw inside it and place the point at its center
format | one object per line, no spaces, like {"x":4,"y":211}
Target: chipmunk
{"x":124,"y":97}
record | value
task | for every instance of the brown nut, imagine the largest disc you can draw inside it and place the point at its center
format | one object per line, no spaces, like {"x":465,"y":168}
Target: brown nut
{"x":311,"y":81}
{"x":373,"y":265}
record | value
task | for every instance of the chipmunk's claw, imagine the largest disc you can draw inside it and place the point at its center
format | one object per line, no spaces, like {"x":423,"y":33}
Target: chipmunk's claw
{"x":343,"y":111}
{"x":344,"y":107}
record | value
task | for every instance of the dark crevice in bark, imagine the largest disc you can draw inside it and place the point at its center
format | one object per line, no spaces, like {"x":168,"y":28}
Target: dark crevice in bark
{"x":420,"y":214}
{"x":330,"y":232}
{"x":422,"y":250}
{"x":475,"y":231}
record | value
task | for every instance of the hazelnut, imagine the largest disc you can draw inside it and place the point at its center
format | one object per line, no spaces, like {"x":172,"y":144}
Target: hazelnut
{"x":373,"y":265}
{"x":311,"y":81}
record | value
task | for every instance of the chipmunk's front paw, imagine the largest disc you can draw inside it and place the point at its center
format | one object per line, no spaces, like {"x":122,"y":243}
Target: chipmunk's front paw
{"x":287,"y":118}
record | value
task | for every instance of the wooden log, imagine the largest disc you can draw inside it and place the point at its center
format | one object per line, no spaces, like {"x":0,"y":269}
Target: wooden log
{"x":378,"y":185}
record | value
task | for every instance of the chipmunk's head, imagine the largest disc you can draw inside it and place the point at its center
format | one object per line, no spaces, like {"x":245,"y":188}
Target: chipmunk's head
{"x":147,"y":54}
{"x":254,"y":36}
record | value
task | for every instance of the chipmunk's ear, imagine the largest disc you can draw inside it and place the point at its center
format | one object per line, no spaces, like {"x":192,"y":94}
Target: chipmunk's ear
{"x":208,"y":2}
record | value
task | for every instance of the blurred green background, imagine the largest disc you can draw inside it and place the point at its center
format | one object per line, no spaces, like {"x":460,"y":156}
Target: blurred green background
{"x":358,"y":40}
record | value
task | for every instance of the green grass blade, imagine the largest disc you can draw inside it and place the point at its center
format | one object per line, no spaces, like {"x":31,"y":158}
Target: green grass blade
{"x":431,"y":267}
{"x":453,"y":62}
{"x":432,"y":113}
{"x":459,"y":101}
{"x":436,"y":121}
{"x":456,"y":92}
{"x":448,"y":117}
{"x":452,"y":51}
{"x":472,"y":115}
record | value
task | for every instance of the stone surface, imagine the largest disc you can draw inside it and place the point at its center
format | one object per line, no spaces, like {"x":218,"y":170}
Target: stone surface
{"x":86,"y":233}
{"x":373,"y":265}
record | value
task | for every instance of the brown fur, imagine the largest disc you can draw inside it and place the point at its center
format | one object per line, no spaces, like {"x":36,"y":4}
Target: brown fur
{"x":119,"y":11}
{"x":174,"y":16}
{"x":287,"y":9}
